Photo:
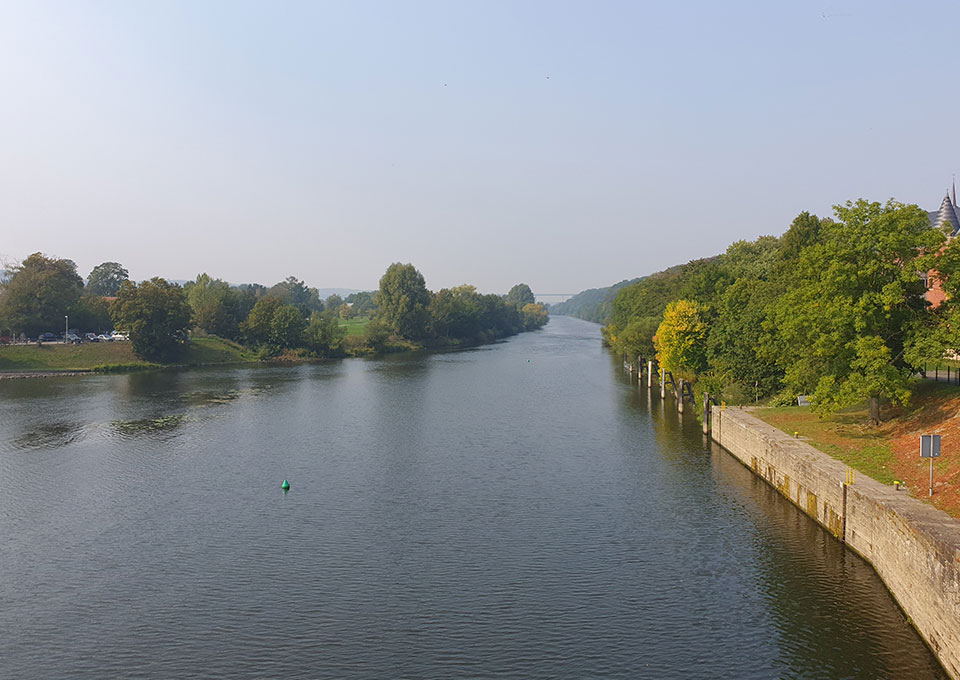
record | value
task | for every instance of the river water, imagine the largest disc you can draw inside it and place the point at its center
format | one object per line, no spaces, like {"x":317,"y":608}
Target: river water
{"x":519,"y":510}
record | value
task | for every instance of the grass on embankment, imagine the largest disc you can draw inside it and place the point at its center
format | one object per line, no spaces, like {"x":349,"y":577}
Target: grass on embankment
{"x":891,"y":450}
{"x":355,"y":326}
{"x":113,"y":356}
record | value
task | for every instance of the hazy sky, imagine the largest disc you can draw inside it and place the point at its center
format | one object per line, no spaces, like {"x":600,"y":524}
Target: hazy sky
{"x":565,"y":144}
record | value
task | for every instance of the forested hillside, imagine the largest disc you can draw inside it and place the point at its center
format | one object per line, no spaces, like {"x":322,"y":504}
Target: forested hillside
{"x":834,"y":308}
{"x":593,"y":304}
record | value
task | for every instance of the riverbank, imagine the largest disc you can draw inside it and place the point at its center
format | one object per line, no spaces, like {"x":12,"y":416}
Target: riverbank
{"x":888,"y":452}
{"x":915,"y":548}
{"x":59,"y":360}
{"x":62,"y":359}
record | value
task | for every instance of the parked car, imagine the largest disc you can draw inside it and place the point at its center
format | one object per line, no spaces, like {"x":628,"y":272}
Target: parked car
{"x":120,"y":336}
{"x":104,"y":338}
{"x":73,"y":338}
{"x":47,"y":337}
{"x":91,"y":337}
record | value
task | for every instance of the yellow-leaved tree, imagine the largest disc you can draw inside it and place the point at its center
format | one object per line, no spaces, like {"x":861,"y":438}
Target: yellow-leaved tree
{"x":681,"y":339}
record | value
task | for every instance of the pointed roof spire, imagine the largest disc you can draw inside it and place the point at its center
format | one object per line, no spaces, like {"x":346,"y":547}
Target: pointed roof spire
{"x":946,"y":218}
{"x":954,"y":191}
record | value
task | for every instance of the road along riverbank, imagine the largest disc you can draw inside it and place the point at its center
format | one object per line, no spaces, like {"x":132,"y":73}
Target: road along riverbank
{"x":914,"y":547}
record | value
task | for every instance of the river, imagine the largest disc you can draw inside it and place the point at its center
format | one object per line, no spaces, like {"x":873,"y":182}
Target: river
{"x":518,"y":510}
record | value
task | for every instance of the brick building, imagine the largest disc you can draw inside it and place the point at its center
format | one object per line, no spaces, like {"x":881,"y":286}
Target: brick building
{"x":948,"y":219}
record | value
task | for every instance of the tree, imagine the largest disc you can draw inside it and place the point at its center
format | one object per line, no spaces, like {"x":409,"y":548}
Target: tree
{"x":286,"y":327}
{"x":637,"y":338}
{"x":156,"y":314}
{"x":403,"y":300}
{"x":681,"y":339}
{"x":293,"y":291}
{"x":520,"y":295}
{"x":106,"y":279}
{"x":856,"y":292}
{"x":362,"y":303}
{"x":215,"y":306}
{"x":534,"y":316}
{"x":734,"y":347}
{"x":376,"y":335}
{"x":39,"y":293}
{"x":259,"y":323}
{"x":91,"y":313}
{"x":456,"y":312}
{"x":323,"y":335}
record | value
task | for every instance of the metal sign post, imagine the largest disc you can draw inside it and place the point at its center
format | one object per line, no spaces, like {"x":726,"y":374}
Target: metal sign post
{"x":930,"y":448}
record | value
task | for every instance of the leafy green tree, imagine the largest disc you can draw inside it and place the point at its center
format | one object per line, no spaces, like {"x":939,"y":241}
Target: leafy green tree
{"x":499,"y":318}
{"x":737,"y":334}
{"x":106,"y":279}
{"x":363,"y":303}
{"x":324,"y":335}
{"x":948,"y":269}
{"x":293,"y":291}
{"x":91,"y":313}
{"x":333,"y":302}
{"x":376,"y":335}
{"x":534,"y":316}
{"x":156,"y":314}
{"x":246,"y":296}
{"x":259,"y":323}
{"x":286,"y":327}
{"x":215,"y":306}
{"x":205,"y":296}
{"x":403,"y":300}
{"x":637,"y":338}
{"x":457,"y":312}
{"x":855,"y":293}
{"x":39,"y":293}
{"x":520,"y":295}
{"x":804,"y":231}
{"x":681,"y":339}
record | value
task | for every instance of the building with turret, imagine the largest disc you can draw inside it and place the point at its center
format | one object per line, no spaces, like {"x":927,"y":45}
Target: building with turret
{"x":946,"y":218}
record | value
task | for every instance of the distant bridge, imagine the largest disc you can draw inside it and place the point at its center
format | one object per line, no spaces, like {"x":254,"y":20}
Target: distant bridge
{"x":553,"y":298}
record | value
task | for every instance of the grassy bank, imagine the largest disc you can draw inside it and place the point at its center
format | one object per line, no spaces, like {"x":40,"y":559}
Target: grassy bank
{"x":355,"y":326}
{"x":890,"y":450}
{"x":112,"y":356}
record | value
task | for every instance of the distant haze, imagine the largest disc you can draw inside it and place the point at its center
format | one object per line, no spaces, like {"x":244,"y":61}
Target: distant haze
{"x":567,"y":145}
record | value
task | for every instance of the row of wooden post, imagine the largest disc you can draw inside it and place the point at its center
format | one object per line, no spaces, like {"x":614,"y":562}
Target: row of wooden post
{"x":663,"y":389}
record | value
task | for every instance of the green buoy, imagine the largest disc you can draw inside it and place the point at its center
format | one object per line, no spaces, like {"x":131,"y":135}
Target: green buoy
{"x":285,"y":486}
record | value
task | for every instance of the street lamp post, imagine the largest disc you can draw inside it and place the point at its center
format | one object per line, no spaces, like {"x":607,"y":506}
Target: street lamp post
{"x":66,"y":328}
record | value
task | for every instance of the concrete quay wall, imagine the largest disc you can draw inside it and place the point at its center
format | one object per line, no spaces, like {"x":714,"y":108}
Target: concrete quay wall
{"x":914,"y":547}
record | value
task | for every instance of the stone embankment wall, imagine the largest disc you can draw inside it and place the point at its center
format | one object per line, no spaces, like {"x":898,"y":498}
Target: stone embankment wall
{"x":914,"y":547}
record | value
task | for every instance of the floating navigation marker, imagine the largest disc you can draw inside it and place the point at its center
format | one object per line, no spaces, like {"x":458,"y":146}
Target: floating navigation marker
{"x":285,"y":486}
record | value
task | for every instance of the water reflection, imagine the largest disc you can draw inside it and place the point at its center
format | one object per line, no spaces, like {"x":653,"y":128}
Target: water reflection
{"x":514,"y":511}
{"x":209,"y":397}
{"x":50,"y":435}
{"x":160,"y":425}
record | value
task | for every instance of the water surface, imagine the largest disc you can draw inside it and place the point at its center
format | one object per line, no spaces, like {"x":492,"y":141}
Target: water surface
{"x":519,"y":510}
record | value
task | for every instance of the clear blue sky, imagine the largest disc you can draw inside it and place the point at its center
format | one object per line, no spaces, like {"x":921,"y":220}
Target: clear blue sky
{"x":564,"y":144}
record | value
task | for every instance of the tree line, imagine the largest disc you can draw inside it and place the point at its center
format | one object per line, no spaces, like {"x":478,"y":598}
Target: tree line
{"x":834,"y":308}
{"x":289,"y":317}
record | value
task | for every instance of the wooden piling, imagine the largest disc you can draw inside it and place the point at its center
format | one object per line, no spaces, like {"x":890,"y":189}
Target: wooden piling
{"x":706,"y":413}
